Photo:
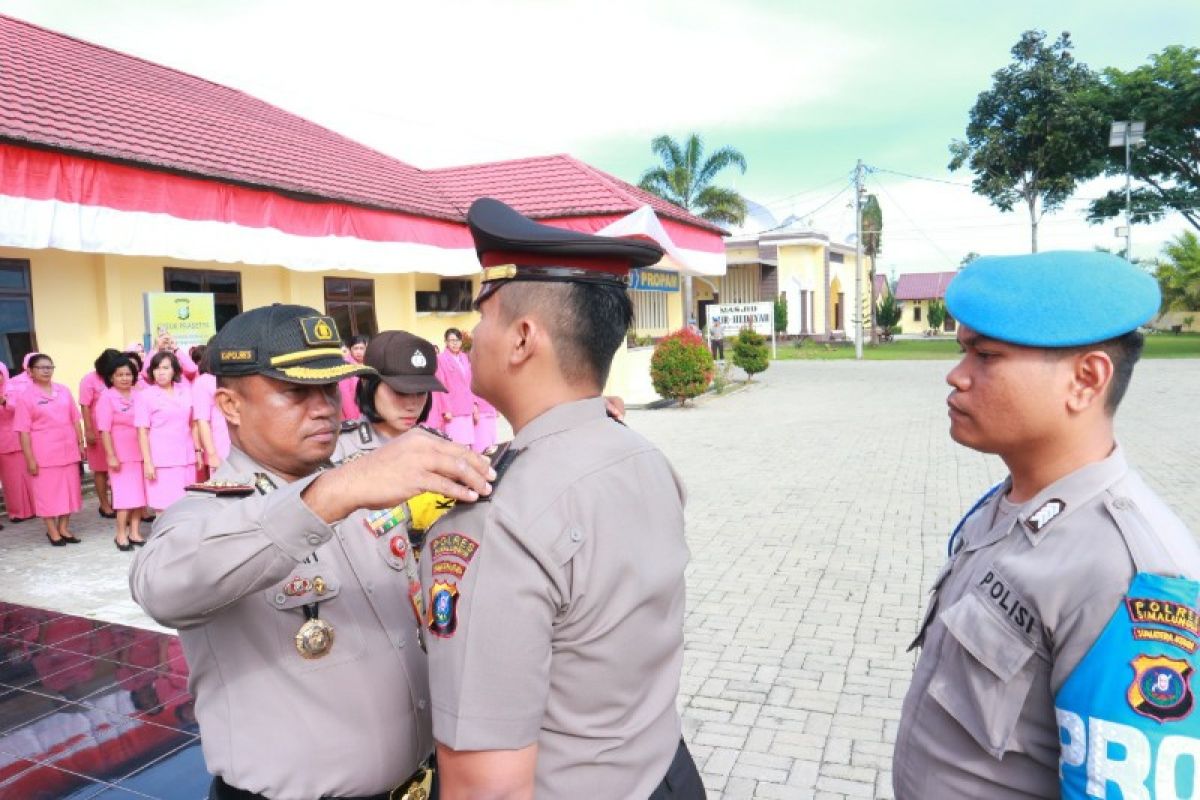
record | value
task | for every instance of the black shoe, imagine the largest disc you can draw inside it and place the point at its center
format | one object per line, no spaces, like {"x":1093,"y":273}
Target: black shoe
{"x":124,"y":548}
{"x":109,"y":515}
{"x":56,"y":542}
{"x":15,"y":520}
{"x":71,"y":539}
{"x":137,"y":542}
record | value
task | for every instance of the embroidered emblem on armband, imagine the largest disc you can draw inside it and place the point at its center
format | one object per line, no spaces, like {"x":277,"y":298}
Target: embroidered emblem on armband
{"x":1163,"y":612}
{"x":443,"y":609}
{"x":1161,"y":688}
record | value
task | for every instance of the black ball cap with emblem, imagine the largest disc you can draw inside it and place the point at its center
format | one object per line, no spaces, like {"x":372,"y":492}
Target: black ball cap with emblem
{"x":404,"y":362}
{"x":296,"y":344}
{"x":512,"y":247}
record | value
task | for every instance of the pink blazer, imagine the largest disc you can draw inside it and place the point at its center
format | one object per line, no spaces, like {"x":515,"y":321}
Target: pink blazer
{"x":168,"y":418}
{"x":455,"y":374}
{"x":9,"y":442}
{"x":50,"y":420}
{"x":114,"y":413}
{"x":90,"y":389}
{"x":204,"y":389}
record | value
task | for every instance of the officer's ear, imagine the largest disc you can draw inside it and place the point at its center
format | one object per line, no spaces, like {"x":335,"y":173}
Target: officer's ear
{"x":525,"y":339}
{"x":1092,"y":372}
{"x":229,"y":400}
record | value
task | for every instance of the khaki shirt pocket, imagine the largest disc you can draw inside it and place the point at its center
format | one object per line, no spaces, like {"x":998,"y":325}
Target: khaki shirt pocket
{"x":286,"y":601}
{"x":984,"y":673}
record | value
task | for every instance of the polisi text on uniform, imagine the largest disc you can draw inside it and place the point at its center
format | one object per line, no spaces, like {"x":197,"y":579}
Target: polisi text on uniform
{"x":1007,"y":601}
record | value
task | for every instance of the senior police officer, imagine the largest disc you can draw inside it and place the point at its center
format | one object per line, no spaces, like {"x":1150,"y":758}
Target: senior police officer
{"x":1060,"y":640}
{"x":295,"y":618}
{"x":554,"y":611}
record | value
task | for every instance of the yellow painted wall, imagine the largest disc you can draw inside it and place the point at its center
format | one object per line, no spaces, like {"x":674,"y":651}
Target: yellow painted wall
{"x":805,"y":263}
{"x":907,"y":323}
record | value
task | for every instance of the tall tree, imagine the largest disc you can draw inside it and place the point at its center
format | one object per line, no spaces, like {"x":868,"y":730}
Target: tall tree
{"x":1179,"y":273}
{"x":1165,"y":94}
{"x":1037,"y":132}
{"x":685,"y":178}
{"x":872,"y":233}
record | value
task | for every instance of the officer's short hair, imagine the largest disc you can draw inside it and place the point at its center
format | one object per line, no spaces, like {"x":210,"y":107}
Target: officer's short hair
{"x":588,"y":323}
{"x":1124,"y":351}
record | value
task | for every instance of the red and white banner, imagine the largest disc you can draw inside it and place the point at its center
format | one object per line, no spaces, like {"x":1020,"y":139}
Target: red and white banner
{"x":57,"y":200}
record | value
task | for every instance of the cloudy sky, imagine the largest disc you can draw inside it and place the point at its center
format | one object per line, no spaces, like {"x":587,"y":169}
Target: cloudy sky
{"x":802,"y":88}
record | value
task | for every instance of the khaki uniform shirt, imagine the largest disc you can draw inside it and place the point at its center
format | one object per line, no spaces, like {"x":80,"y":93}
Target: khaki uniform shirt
{"x":555,"y":609}
{"x":231,"y":574}
{"x":1014,"y":611}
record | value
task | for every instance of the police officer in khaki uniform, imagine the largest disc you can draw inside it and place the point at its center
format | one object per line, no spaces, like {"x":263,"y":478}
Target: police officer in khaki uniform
{"x":554,"y":612}
{"x":298,"y":622}
{"x":1026,"y":622}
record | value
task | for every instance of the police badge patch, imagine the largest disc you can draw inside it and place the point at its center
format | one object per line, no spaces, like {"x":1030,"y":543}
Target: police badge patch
{"x":443,"y":609}
{"x":1161,"y":688}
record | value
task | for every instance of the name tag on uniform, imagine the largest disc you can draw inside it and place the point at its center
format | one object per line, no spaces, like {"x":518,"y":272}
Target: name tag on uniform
{"x":998,"y":592}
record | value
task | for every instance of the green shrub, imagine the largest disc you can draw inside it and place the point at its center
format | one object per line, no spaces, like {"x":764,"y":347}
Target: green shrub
{"x":781,"y":319}
{"x":750,"y":352}
{"x":681,"y":366}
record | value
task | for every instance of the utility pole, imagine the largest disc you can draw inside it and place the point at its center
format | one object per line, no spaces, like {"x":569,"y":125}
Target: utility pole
{"x":858,"y":260}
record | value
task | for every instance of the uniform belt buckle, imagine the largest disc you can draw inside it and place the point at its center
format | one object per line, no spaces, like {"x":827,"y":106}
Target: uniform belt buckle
{"x":417,"y":787}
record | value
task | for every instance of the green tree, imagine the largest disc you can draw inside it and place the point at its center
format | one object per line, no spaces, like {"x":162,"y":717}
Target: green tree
{"x":1037,"y":132}
{"x":681,"y":366}
{"x":936,"y":315}
{"x":1179,"y":273}
{"x":781,"y":319}
{"x":967,"y":259}
{"x":750,"y":352}
{"x":872,"y":233}
{"x":887,"y":316}
{"x":685,"y":178}
{"x":1165,"y":94}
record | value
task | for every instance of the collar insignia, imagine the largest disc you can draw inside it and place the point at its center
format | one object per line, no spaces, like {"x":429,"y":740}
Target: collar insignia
{"x":1043,"y":516}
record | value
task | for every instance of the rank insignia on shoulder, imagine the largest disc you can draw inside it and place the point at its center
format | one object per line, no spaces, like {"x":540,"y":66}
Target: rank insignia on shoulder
{"x":502,"y":456}
{"x":1045,"y":514}
{"x":222,"y":487}
{"x":350,"y":425}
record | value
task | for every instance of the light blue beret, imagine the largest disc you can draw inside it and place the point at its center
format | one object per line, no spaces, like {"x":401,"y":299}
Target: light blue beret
{"x":1058,"y":299}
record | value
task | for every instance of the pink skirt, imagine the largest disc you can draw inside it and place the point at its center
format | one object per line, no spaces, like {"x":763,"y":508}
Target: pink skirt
{"x":14,"y":478}
{"x":169,"y":485}
{"x":128,"y":486}
{"x":485,"y":433}
{"x":56,"y":490}
{"x":97,"y":458}
{"x":462,"y":430}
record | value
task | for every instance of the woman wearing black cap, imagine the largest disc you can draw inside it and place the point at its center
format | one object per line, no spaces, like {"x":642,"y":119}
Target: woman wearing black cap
{"x":393,"y":402}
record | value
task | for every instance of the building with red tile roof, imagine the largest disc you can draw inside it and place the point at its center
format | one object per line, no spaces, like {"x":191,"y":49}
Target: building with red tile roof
{"x":119,"y":176}
{"x":915,"y":291}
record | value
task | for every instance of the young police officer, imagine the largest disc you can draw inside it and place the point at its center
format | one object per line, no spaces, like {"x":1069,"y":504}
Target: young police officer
{"x":1059,"y":646}
{"x":554,"y":612}
{"x":303,"y":645}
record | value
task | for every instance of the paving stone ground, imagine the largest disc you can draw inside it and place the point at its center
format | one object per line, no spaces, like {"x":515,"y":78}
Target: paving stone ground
{"x":820,"y":499}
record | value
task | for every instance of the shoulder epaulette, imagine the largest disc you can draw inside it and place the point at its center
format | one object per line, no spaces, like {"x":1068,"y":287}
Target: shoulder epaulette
{"x":502,"y":456}
{"x":222,"y":487}
{"x":349,"y":425}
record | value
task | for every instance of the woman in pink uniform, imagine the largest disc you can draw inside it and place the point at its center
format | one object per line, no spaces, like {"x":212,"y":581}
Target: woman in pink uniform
{"x":47,"y":421}
{"x":348,"y":387}
{"x":485,"y":425}
{"x":122,"y":452}
{"x":163,"y":416}
{"x":457,"y":405}
{"x":90,"y":389}
{"x":14,"y":478}
{"x":211,"y":428}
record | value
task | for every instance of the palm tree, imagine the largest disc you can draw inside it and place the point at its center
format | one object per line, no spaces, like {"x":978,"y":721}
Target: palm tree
{"x":685,"y":177}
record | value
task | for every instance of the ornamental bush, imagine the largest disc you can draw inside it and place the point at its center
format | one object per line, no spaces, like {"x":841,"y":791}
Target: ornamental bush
{"x":681,"y":367}
{"x":750,"y":352}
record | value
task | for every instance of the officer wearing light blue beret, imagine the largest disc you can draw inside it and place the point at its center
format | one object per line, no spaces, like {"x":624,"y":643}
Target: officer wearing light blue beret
{"x":1060,"y":642}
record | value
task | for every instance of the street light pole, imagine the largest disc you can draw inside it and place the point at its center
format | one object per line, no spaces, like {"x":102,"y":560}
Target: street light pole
{"x":1130,"y":134}
{"x":858,"y":260}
